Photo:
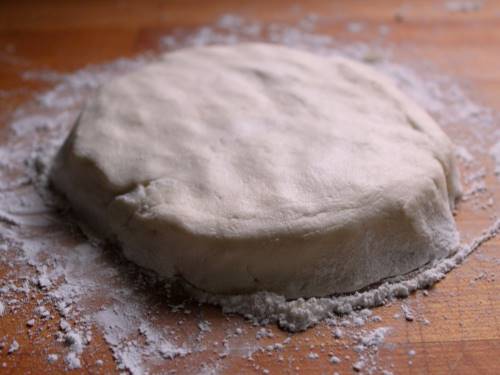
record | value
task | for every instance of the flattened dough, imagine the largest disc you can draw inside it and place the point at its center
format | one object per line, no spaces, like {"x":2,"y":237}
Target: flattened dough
{"x":260,"y":167}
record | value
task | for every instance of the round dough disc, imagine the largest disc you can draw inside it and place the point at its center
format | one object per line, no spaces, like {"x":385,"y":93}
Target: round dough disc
{"x":260,"y":167}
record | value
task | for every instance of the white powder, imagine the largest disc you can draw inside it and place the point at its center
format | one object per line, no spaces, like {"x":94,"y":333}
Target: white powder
{"x":495,"y":153}
{"x":263,"y":333}
{"x":170,"y":351}
{"x":375,"y":337}
{"x":464,"y":154}
{"x":86,"y":284}
{"x":14,"y":347}
{"x":52,"y":358}
{"x":337,"y":333}
{"x":464,"y":5}
{"x":408,"y":314}
{"x":42,"y":312}
{"x":358,"y":365}
{"x":204,"y":326}
{"x":74,"y":341}
{"x":313,"y":355}
{"x":43,"y":281}
{"x":335,"y":360}
{"x":72,"y":361}
{"x":64,"y":325}
{"x":355,"y":27}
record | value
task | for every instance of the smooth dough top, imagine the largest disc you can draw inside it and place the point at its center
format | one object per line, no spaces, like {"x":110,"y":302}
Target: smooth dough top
{"x":214,"y":161}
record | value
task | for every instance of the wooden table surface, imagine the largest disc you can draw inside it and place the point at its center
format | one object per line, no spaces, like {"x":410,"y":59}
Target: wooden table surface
{"x":464,"y":309}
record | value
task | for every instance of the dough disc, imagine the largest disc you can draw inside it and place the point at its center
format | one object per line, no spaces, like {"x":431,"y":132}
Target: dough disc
{"x":260,"y":167}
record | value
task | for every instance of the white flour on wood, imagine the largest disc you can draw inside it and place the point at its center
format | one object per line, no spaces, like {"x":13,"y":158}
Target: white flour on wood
{"x":88,"y":285}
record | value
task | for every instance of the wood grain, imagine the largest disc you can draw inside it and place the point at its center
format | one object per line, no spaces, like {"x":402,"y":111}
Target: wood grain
{"x":464,"y":309}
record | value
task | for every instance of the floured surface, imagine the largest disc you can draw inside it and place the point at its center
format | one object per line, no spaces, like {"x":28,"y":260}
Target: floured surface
{"x":93,"y":291}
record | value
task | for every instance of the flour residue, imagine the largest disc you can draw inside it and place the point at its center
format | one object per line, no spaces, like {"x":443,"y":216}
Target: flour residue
{"x":495,"y":153}
{"x":86,"y":285}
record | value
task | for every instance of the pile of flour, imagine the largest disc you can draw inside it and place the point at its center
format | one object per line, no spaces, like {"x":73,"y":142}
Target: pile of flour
{"x":83,"y":284}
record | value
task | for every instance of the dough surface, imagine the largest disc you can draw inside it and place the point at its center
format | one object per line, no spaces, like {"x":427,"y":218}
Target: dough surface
{"x":260,"y":167}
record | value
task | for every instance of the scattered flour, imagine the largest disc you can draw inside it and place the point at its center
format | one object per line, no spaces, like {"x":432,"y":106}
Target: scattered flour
{"x":464,"y":154}
{"x":335,"y":360}
{"x":495,"y":153}
{"x":74,"y":341}
{"x":313,"y":355}
{"x":14,"y":347}
{"x":464,"y":5}
{"x":72,"y":361}
{"x":407,"y":312}
{"x":375,"y":337}
{"x":355,"y":27}
{"x":358,"y":365}
{"x":90,"y":285}
{"x":170,"y":351}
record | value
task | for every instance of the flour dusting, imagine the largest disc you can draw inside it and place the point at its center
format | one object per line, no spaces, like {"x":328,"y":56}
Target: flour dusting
{"x":84,"y":285}
{"x":464,"y":5}
{"x":495,"y":153}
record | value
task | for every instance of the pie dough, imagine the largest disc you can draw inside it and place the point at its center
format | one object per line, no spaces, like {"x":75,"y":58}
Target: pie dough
{"x":260,"y":167}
